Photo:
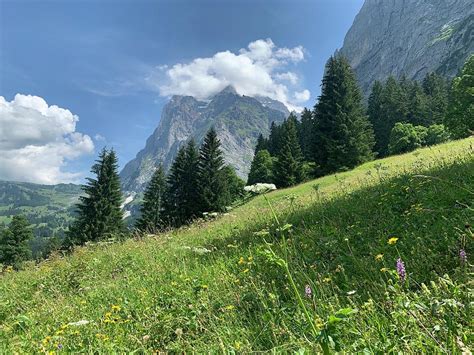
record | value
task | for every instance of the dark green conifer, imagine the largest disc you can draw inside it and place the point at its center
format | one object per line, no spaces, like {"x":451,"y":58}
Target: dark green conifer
{"x":151,"y":217}
{"x":14,"y":248}
{"x":261,"y":169}
{"x":343,"y":136}
{"x":99,"y":214}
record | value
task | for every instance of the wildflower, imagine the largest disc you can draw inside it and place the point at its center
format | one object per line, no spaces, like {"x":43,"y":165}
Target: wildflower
{"x":350,"y":293}
{"x":60,"y":346}
{"x":116,"y":308}
{"x":463,"y":256}
{"x":308,"y":292}
{"x":401,"y":269}
{"x":392,"y":240}
{"x":9,"y":268}
{"x":246,"y":270}
{"x":230,"y":307}
{"x":204,"y":287}
{"x":241,"y":260}
{"x":379,"y":257}
{"x":384,"y":269}
{"x":327,"y":279}
{"x":46,"y":340}
{"x":237,"y":345}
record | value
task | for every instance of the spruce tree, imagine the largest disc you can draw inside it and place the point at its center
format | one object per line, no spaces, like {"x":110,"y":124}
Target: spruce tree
{"x":343,"y":134}
{"x":376,"y":116}
{"x":288,"y":168}
{"x":274,"y":139}
{"x":460,"y":115}
{"x":99,"y":214}
{"x":175,"y":192}
{"x":436,"y":89}
{"x":262,"y":143}
{"x":305,"y":134}
{"x":191,"y":208}
{"x":14,"y":248}
{"x":418,"y":110}
{"x":261,"y":169}
{"x":151,"y":212}
{"x":211,"y":187}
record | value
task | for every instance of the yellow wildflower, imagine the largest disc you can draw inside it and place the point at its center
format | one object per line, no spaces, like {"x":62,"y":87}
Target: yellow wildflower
{"x":246,"y":270}
{"x":46,"y":340}
{"x":237,"y":345}
{"x":241,"y":260}
{"x":116,"y":308}
{"x":327,"y":279}
{"x":384,"y":269}
{"x":204,"y":286}
{"x":230,"y":307}
{"x":392,"y":240}
{"x":379,"y":257}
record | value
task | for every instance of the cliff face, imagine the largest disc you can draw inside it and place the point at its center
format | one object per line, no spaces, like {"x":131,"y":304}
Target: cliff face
{"x":409,"y":37}
{"x":237,"y":119}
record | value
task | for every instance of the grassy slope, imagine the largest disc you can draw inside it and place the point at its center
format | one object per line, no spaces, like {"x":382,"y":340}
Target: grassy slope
{"x":211,"y":287}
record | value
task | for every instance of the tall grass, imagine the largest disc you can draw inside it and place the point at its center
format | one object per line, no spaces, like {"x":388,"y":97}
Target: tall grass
{"x":238,"y":284}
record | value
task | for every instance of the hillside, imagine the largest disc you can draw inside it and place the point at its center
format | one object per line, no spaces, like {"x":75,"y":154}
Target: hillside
{"x":409,"y":38}
{"x":237,"y":119}
{"x":49,"y":208}
{"x":229,"y":285}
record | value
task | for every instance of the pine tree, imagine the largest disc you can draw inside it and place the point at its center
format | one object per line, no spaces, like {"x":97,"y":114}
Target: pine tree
{"x":436,"y":89}
{"x":305,"y":134}
{"x":151,"y":212}
{"x":99,"y":214}
{"x":343,"y":135}
{"x":288,"y":168}
{"x":14,"y":248}
{"x":175,"y":192}
{"x":191,"y":208}
{"x":211,"y":182}
{"x":274,"y":139}
{"x":375,"y":113}
{"x":418,"y":110}
{"x":262,"y":143}
{"x":261,"y":169}
{"x":460,"y":116}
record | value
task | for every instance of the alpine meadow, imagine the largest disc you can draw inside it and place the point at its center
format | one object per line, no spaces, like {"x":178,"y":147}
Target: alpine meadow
{"x":308,"y":187}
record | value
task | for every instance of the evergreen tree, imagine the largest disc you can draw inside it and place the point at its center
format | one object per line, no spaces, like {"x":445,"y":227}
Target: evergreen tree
{"x":343,"y":135}
{"x":191,"y":208}
{"x":418,"y":111}
{"x":14,"y":248}
{"x":175,"y":198}
{"x":234,"y":186}
{"x":151,"y":212}
{"x":376,"y":116}
{"x":288,"y":168}
{"x":274,"y":140}
{"x":262,"y":143}
{"x":394,"y":109}
{"x":305,"y":134}
{"x":211,"y":185}
{"x":436,"y":89}
{"x":261,"y":169}
{"x":460,"y":115}
{"x":99,"y":214}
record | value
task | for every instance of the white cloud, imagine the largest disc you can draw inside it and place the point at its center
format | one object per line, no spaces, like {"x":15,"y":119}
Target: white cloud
{"x":302,"y":96}
{"x":37,"y":140}
{"x":99,"y":138}
{"x":260,"y":69}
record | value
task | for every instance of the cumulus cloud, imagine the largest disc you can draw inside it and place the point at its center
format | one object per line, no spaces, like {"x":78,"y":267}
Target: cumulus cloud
{"x":261,"y":69}
{"x":37,"y":140}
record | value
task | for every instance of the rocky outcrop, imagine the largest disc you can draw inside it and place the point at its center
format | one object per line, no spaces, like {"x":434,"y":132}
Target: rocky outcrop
{"x":409,"y":37}
{"x":237,"y":119}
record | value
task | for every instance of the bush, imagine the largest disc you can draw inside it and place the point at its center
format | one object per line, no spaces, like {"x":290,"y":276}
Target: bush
{"x":437,"y":134}
{"x":405,"y":137}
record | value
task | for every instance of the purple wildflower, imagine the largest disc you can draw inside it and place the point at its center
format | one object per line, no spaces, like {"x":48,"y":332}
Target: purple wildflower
{"x":401,"y":269}
{"x":60,"y":346}
{"x":308,"y":291}
{"x":462,"y":256}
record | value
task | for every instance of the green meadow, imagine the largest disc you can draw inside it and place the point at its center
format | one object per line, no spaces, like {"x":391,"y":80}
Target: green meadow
{"x":306,"y":269}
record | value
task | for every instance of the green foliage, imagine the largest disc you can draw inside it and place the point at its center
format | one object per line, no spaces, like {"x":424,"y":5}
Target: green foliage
{"x":99,"y":214}
{"x":343,"y":136}
{"x":305,"y":134}
{"x":234,"y":185}
{"x":405,"y":137}
{"x":437,"y":90}
{"x":436,"y":134}
{"x":261,"y":169}
{"x":211,"y":185}
{"x":215,"y":287}
{"x":460,"y":117}
{"x":152,"y":210}
{"x":14,"y":248}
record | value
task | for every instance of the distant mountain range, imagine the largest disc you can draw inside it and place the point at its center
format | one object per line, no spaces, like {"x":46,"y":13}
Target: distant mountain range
{"x":409,"y":37}
{"x":237,"y":119}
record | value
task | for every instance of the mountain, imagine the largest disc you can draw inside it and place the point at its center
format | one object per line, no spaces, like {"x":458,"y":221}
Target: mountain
{"x":49,"y":208}
{"x":409,"y":37}
{"x":237,"y":119}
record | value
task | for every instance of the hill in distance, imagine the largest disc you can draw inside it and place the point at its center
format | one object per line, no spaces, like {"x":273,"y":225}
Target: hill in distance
{"x":307,"y":269}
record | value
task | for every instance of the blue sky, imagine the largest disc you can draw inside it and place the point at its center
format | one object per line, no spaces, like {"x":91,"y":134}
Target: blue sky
{"x":96,"y":59}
